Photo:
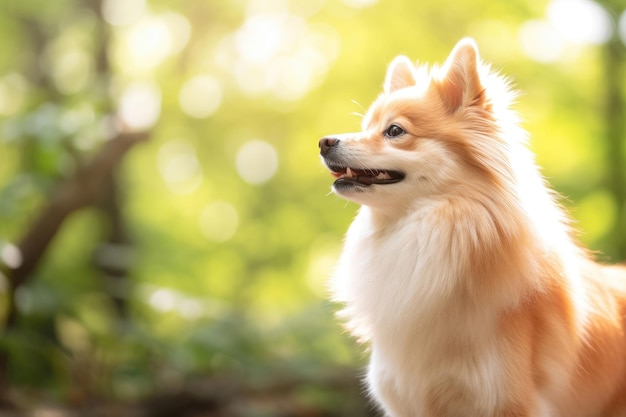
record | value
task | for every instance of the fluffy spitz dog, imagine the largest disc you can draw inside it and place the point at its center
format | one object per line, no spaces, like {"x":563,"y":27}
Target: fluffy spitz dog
{"x":460,"y":270}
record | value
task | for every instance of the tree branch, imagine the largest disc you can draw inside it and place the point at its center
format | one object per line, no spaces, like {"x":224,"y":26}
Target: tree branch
{"x":81,"y":190}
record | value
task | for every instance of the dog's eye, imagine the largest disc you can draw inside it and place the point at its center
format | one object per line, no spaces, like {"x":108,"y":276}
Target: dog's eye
{"x":394,"y":131}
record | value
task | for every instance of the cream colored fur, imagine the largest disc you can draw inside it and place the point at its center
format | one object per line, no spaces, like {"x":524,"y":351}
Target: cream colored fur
{"x":464,"y":278}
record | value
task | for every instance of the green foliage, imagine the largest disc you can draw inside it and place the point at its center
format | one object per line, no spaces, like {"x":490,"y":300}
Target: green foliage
{"x":232,"y":231}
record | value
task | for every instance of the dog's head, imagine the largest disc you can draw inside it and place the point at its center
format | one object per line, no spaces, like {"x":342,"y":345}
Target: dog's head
{"x":431,"y":130}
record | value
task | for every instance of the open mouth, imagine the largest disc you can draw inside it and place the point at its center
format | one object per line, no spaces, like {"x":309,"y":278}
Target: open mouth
{"x":364,"y":177}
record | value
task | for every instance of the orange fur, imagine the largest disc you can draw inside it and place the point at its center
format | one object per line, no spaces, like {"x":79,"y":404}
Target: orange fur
{"x":464,"y":277}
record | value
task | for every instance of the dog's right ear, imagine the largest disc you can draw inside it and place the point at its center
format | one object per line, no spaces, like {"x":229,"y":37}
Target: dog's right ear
{"x":400,"y":74}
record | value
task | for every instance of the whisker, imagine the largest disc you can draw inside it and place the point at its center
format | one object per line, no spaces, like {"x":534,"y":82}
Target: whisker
{"x":358,"y":104}
{"x":359,"y":114}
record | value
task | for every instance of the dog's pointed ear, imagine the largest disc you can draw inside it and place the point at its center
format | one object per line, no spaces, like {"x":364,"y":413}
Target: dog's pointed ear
{"x":400,"y":74}
{"x":460,"y":84}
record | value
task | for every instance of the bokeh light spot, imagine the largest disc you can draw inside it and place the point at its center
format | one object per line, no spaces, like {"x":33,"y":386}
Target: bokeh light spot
{"x":580,"y":21}
{"x":149,"y":42}
{"x":163,"y":300}
{"x":279,"y":53}
{"x":200,"y":96}
{"x":179,"y":166}
{"x":179,"y":29}
{"x":219,"y":221}
{"x":540,"y":41}
{"x":262,"y":37}
{"x":190,"y":309}
{"x":290,"y":78}
{"x":140,"y":105}
{"x":122,"y":12}
{"x":257,"y":162}
{"x":71,"y":70}
{"x":10,"y":255}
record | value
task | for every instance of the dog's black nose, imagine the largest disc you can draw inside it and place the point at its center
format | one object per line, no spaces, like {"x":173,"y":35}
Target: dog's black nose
{"x":326,"y":144}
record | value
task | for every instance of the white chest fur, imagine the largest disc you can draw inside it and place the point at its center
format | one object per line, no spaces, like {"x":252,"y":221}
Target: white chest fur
{"x":404,"y":294}
{"x":396,"y":272}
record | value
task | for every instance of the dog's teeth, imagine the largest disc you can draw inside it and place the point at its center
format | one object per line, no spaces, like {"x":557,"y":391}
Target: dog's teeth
{"x":349,"y":172}
{"x":383,"y":175}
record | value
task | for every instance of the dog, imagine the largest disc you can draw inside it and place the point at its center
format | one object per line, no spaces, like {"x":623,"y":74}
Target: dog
{"x":461,"y":271}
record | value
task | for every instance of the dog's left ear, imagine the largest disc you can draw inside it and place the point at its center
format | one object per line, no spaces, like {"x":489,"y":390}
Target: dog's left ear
{"x":460,"y":84}
{"x":400,"y":74}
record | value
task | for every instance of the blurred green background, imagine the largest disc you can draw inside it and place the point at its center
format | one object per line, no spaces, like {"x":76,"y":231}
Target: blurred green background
{"x":166,"y":226}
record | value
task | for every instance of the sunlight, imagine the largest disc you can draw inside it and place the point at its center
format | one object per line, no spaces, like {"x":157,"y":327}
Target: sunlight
{"x":219,"y":221}
{"x":163,"y":300}
{"x":71,"y":70}
{"x":167,"y":300}
{"x":540,"y":41}
{"x":257,"y":161}
{"x":179,"y":30}
{"x":262,"y":37}
{"x":68,"y":60}
{"x":203,"y":269}
{"x":582,"y":22}
{"x":324,"y":40}
{"x":179,"y":166}
{"x":359,"y":3}
{"x":200,"y":96}
{"x":279,"y":53}
{"x":148,"y":42}
{"x":10,"y":255}
{"x":255,"y":7}
{"x":290,"y":78}
{"x":122,"y":12}
{"x":250,"y":78}
{"x":569,"y":23}
{"x":190,"y":309}
{"x":140,"y":105}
